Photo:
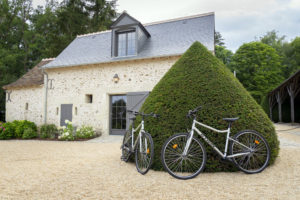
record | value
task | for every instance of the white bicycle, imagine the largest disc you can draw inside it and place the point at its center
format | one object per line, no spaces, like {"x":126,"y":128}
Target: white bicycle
{"x":184,"y":156}
{"x":143,"y":146}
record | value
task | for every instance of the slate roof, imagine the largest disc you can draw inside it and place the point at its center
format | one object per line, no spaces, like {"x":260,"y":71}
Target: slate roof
{"x":33,"y":77}
{"x":168,"y":38}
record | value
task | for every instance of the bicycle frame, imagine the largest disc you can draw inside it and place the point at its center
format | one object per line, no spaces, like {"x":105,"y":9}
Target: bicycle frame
{"x":139,"y":137}
{"x":223,"y":155}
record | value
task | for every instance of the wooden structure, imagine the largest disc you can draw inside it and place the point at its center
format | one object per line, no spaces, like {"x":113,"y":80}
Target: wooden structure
{"x":289,"y":88}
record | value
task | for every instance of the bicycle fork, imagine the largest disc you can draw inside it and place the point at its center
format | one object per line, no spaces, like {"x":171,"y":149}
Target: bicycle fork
{"x":189,"y":140}
{"x":140,"y":138}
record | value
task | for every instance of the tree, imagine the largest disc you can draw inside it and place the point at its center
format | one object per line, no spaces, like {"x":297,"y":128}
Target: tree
{"x":44,"y":22}
{"x":274,"y":40}
{"x":13,"y":42}
{"x":199,"y":78}
{"x":73,"y":19}
{"x":102,"y":13}
{"x":219,"y":39}
{"x":258,"y":68}
{"x":293,"y":57}
{"x":223,"y":54}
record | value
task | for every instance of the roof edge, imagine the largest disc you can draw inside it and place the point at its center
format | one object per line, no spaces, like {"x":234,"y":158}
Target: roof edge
{"x":179,"y":18}
{"x":284,"y":82}
{"x":47,"y":59}
{"x":21,"y":87}
{"x":114,"y":61}
{"x":154,"y":23}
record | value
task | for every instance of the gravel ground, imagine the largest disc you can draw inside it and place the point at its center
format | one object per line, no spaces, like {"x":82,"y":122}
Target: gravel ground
{"x":93,"y":170}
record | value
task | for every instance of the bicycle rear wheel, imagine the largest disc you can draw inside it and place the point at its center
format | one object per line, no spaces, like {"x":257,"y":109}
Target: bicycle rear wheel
{"x":258,"y":158}
{"x":126,"y":146}
{"x":178,"y":165}
{"x":144,"y":153}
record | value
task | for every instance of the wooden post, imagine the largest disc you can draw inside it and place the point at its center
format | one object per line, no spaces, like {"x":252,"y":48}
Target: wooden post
{"x":278,"y":98}
{"x":292,"y":98}
{"x":271,"y":105}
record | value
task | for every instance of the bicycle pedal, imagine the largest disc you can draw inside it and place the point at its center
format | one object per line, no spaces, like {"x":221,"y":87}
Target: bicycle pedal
{"x":225,"y":160}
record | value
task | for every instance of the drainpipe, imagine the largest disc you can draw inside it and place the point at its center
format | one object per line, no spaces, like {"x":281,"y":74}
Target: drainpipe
{"x":45,"y":95}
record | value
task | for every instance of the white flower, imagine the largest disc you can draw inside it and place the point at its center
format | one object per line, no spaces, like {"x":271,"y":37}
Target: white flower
{"x":67,"y":133}
{"x":64,"y":127}
{"x":67,"y":121}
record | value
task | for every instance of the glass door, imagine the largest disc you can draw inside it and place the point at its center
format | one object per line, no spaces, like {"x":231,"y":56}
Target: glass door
{"x":118,"y":114}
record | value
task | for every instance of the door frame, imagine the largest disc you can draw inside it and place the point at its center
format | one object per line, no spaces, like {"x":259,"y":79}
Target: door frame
{"x":117,"y":131}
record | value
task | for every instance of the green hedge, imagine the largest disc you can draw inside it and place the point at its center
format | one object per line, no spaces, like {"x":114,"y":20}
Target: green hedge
{"x":17,"y":128}
{"x":199,"y":78}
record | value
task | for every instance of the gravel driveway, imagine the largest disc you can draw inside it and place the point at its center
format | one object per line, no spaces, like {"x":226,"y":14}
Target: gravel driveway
{"x":93,"y":170}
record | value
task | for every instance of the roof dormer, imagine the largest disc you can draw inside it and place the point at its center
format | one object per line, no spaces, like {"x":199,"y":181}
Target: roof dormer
{"x":128,"y":36}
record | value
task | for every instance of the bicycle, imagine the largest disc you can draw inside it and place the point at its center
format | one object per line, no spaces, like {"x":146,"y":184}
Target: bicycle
{"x":143,"y":146}
{"x":184,"y":156}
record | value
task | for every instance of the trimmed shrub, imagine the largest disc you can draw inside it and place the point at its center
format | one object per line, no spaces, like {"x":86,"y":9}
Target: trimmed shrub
{"x":199,"y":78}
{"x":85,"y":132}
{"x":29,"y":133}
{"x":21,"y":125}
{"x":8,"y":131}
{"x":48,"y":131}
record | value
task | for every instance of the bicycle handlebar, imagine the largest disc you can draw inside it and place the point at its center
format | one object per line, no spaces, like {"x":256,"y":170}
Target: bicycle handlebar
{"x":143,"y":114}
{"x":192,"y":113}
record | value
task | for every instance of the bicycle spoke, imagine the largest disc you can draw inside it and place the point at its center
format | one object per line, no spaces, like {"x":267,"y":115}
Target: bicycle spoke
{"x":183,"y":165}
{"x":143,"y":153}
{"x":258,"y":155}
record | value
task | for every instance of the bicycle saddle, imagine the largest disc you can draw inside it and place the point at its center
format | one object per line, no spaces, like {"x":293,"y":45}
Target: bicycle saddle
{"x":230,"y":119}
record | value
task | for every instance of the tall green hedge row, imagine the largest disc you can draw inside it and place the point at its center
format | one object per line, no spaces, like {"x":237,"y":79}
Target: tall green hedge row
{"x":199,"y":78}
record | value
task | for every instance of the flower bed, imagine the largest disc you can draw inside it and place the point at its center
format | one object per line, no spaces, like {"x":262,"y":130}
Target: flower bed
{"x":23,"y":129}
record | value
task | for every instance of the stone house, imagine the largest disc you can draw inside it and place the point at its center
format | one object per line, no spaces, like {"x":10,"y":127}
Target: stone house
{"x":100,"y":75}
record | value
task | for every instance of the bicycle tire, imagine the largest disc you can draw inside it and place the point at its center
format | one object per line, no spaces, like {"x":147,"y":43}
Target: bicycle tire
{"x":144,"y":159}
{"x":257,"y":160}
{"x":172,"y":153}
{"x":126,"y":146}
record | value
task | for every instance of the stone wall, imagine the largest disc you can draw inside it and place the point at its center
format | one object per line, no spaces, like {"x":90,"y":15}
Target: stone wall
{"x":70,"y":85}
{"x":16,"y":108}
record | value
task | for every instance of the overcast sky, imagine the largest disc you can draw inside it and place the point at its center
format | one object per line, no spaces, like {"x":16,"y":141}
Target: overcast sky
{"x":239,"y":21}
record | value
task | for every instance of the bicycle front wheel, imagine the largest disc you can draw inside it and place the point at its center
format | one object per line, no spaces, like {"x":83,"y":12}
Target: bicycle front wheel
{"x":126,"y":146}
{"x":183,"y":166}
{"x":144,"y":153}
{"x":259,"y":153}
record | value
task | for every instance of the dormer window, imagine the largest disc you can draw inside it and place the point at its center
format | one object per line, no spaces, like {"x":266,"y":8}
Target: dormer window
{"x":126,"y":43}
{"x":128,"y":36}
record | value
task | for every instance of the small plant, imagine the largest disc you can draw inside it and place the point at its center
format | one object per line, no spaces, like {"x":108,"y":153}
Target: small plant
{"x":67,"y":132}
{"x":29,"y":133}
{"x":85,"y":132}
{"x":7,"y":131}
{"x":2,"y":129}
{"x":48,"y":131}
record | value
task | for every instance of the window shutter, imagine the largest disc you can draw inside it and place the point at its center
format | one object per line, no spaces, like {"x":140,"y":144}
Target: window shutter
{"x":135,"y":101}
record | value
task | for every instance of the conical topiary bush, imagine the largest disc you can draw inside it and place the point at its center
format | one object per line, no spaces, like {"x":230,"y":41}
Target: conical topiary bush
{"x":199,"y":78}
